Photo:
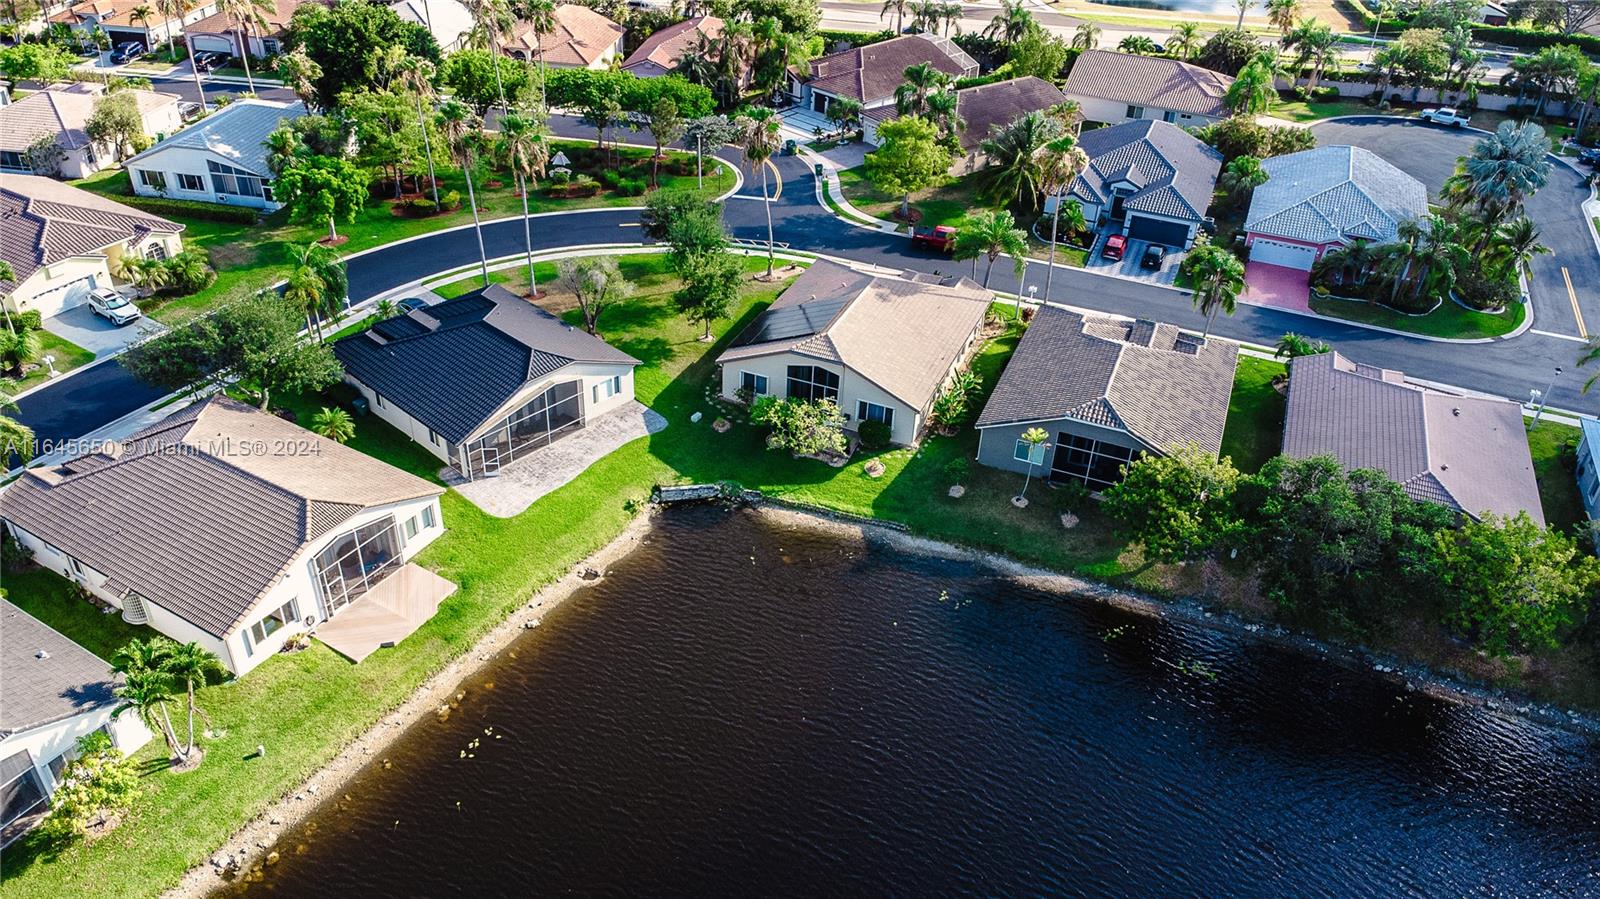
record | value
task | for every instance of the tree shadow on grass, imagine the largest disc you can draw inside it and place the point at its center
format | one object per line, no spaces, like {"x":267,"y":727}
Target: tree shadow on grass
{"x":650,"y":351}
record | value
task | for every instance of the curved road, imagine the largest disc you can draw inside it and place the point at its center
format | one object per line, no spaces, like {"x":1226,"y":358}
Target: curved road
{"x":83,"y":403}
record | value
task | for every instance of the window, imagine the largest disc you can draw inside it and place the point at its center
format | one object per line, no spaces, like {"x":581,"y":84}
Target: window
{"x":608,"y":388}
{"x":427,"y":516}
{"x":1032,"y":453}
{"x":191,"y":182}
{"x":866,"y":411}
{"x":22,"y":792}
{"x":225,"y":179}
{"x":356,"y":561}
{"x":411,"y":527}
{"x":153,"y":180}
{"x":11,"y":159}
{"x":755,"y":384}
{"x":1095,"y":463}
{"x":1135,"y":112}
{"x":379,"y":398}
{"x":156,"y":251}
{"x":1169,"y":116}
{"x":275,"y":621}
{"x":77,"y":568}
{"x":812,"y":382}
{"x":432,"y":437}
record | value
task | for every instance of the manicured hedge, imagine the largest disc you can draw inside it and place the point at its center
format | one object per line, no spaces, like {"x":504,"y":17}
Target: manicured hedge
{"x":193,"y":209}
{"x":1517,"y":36}
{"x":853,"y":38}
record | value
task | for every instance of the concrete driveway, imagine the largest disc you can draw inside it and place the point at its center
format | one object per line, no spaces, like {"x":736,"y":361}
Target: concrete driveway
{"x":1128,"y":267}
{"x":81,"y":326}
{"x":1564,"y":284}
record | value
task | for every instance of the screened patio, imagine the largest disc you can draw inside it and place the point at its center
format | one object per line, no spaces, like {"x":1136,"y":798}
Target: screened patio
{"x":549,"y":416}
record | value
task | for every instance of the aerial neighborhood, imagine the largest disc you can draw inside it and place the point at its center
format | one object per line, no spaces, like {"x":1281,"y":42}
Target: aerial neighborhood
{"x":333,"y":331}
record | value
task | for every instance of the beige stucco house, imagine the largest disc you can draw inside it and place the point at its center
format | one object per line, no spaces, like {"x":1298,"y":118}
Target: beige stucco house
{"x":582,"y":39}
{"x":62,"y":111}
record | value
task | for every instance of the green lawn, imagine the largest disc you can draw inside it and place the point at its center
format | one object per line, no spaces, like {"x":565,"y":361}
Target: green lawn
{"x":1254,"y":433}
{"x":68,"y":356}
{"x":1451,"y":319}
{"x":944,"y":205}
{"x":1303,"y":111}
{"x":250,"y":257}
{"x":1553,"y":447}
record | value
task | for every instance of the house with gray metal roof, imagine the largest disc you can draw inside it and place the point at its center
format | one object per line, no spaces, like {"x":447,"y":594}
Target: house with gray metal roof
{"x":220,"y":159}
{"x":1150,"y":180}
{"x":1468,"y":453}
{"x":1320,"y":199}
{"x":55,"y":693}
{"x":1113,"y":87}
{"x":232,"y":528}
{"x":1107,"y":391}
{"x":880,"y":346}
{"x":486,"y":378}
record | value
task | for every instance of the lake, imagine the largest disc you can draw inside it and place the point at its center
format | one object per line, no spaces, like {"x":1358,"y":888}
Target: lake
{"x":744,"y":708}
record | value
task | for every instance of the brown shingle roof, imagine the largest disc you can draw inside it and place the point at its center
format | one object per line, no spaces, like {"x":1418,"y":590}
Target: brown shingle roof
{"x":1147,"y":378}
{"x":203,"y":511}
{"x":107,"y":12}
{"x":1148,"y":81}
{"x":1468,"y":453}
{"x":667,"y":46}
{"x":43,"y":221}
{"x":581,"y":37}
{"x":902,"y":334}
{"x":871,"y":73}
{"x":68,"y":681}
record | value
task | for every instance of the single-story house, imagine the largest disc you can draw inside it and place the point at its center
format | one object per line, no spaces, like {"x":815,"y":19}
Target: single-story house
{"x":582,"y":39}
{"x":870,"y":74}
{"x":56,"y":693}
{"x":1113,"y":87}
{"x":1150,"y":180}
{"x":447,"y":20}
{"x":234,"y":529}
{"x":62,"y":110}
{"x":1321,"y":199}
{"x":1589,"y":468}
{"x":484,"y":379}
{"x":1493,"y":14}
{"x":1466,"y":452}
{"x":659,"y":53}
{"x":220,"y":159}
{"x":218,"y":33}
{"x":982,"y":109}
{"x":63,"y":242}
{"x":1107,"y":391}
{"x":116,"y":18}
{"x":881,"y":347}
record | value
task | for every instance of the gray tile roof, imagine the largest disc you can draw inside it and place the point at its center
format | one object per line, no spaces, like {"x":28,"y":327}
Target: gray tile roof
{"x":1468,"y":453}
{"x":451,"y":366}
{"x":237,"y":133}
{"x":871,"y":73}
{"x":194,"y":515}
{"x":902,"y":334}
{"x":1172,"y":172}
{"x":43,"y":221}
{"x":1148,"y":81}
{"x":1333,"y":194}
{"x":68,"y":681}
{"x":1147,"y":378}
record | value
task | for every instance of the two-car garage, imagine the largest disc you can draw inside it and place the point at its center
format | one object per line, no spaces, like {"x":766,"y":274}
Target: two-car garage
{"x":1282,"y":252}
{"x":1162,"y":231}
{"x":57,"y":300}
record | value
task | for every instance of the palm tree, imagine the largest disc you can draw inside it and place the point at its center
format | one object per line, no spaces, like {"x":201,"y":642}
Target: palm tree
{"x":1086,"y":37}
{"x":922,"y":79}
{"x":170,"y":10}
{"x":898,"y":7}
{"x":246,"y":14}
{"x":845,"y":112}
{"x":522,"y":144}
{"x":1293,"y":346}
{"x":189,"y":663}
{"x":1244,"y":7}
{"x":7,"y":274}
{"x":989,"y":234}
{"x":1068,"y":114}
{"x":142,"y":13}
{"x":301,"y":73}
{"x":18,"y":348}
{"x":1012,"y":22}
{"x":926,"y":15}
{"x":1012,"y":175}
{"x":1138,"y":45}
{"x":1060,"y":162}
{"x":147,"y":692}
{"x":951,"y":14}
{"x":334,"y":424}
{"x":1518,"y":242}
{"x":1404,"y":257}
{"x":1035,"y":438}
{"x":1243,"y":175}
{"x":1282,"y":13}
{"x":541,"y":18}
{"x":942,"y":111}
{"x":1314,"y":41}
{"x":1252,"y":91}
{"x":318,"y":286}
{"x":462,"y":135}
{"x":1218,"y":277}
{"x":416,"y":76}
{"x":15,"y":437}
{"x":761,"y":136}
{"x":1505,"y":168}
{"x":1185,"y":41}
{"x":490,"y":19}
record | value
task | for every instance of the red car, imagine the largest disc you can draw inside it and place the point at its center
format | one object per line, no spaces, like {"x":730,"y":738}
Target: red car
{"x":1115,"y":246}
{"x":941,"y":239}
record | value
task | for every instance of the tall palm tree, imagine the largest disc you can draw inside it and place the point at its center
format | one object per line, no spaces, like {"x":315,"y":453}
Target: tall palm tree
{"x":490,"y":20}
{"x":245,"y":15}
{"x":1185,"y":41}
{"x":1313,"y":42}
{"x":1060,"y":163}
{"x":942,"y":111}
{"x":416,"y":76}
{"x":922,"y":79}
{"x":951,"y":14}
{"x":1068,"y":114}
{"x":926,"y":15}
{"x":1282,"y":13}
{"x":1086,"y":37}
{"x":462,"y":134}
{"x":1244,"y":7}
{"x":301,"y":73}
{"x":189,"y":664}
{"x":318,"y":285}
{"x":1011,"y":23}
{"x":1012,"y":175}
{"x":522,"y":144}
{"x":147,"y":693}
{"x":898,"y":7}
{"x":1505,"y":168}
{"x":1252,"y":90}
{"x":1405,"y":257}
{"x":1218,"y":278}
{"x":142,"y":13}
{"x":15,"y":437}
{"x":990,"y":234}
{"x":541,"y":18}
{"x":1518,"y":242}
{"x":761,"y":136}
{"x":8,"y":274}
{"x":171,"y":10}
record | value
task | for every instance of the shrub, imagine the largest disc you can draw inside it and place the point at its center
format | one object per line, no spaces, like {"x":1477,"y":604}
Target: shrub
{"x":1482,"y":292}
{"x":210,"y":212}
{"x":631,"y":187}
{"x":874,"y":434}
{"x":93,"y":788}
{"x":852,"y":38}
{"x":424,"y":206}
{"x":802,"y":428}
{"x":29,"y":320}
{"x":451,"y":200}
{"x":957,"y":469}
{"x":608,"y":178}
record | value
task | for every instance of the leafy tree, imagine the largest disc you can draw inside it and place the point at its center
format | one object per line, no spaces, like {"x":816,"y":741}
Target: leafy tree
{"x":98,"y":783}
{"x":334,"y":423}
{"x":491,"y":19}
{"x":183,"y":358}
{"x":341,"y":39}
{"x":387,"y":135}
{"x":708,"y":133}
{"x":259,"y":341}
{"x":1013,"y":174}
{"x":36,"y":62}
{"x":908,"y":159}
{"x":1511,"y":584}
{"x":798,"y":17}
{"x":1039,"y":53}
{"x":1234,"y":137}
{"x":759,"y":132}
{"x":1218,"y":278}
{"x":315,"y":188}
{"x":694,"y":235}
{"x":989,"y":234}
{"x":598,"y":284}
{"x":666,"y":126}
{"x":801,"y":427}
{"x":1177,"y":506}
{"x":711,"y":285}
{"x":116,"y":121}
{"x":470,"y":75}
{"x":642,"y":94}
{"x":45,"y":156}
{"x":1228,"y":51}
{"x":663,"y":209}
{"x":190,"y":664}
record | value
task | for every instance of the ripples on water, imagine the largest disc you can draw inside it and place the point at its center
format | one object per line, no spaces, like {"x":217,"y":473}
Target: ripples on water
{"x":741,"y":709}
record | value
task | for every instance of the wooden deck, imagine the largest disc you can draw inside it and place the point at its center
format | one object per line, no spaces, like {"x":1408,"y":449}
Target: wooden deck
{"x":389,"y":613}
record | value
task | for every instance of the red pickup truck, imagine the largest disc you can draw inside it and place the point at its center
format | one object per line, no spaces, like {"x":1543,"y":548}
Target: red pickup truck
{"x":941,"y":238}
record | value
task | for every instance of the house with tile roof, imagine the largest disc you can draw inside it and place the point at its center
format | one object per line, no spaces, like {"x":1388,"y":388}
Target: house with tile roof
{"x":983,"y":109}
{"x":582,"y":39}
{"x":486,"y":378}
{"x":220,"y":159}
{"x":232,"y":528}
{"x":1107,"y":391}
{"x":56,"y":693}
{"x":659,"y":53}
{"x":869,"y":74}
{"x":1468,"y":453}
{"x":1147,"y":180}
{"x":118,"y":20}
{"x":1317,"y":200}
{"x":217,"y":33}
{"x":447,"y":20}
{"x":62,"y":242}
{"x":1113,"y":87}
{"x":62,"y":111}
{"x":880,"y":346}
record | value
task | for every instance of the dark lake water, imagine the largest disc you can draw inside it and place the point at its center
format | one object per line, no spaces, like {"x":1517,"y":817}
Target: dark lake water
{"x":742,"y":709}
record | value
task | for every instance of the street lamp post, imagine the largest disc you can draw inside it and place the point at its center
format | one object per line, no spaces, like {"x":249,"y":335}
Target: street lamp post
{"x":1543,"y":397}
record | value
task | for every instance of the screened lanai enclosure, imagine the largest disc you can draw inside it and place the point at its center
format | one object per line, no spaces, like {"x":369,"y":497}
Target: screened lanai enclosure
{"x":549,"y":416}
{"x":356,"y":562}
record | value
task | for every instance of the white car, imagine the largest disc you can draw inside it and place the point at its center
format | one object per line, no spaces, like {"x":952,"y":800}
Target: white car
{"x":1445,"y":116}
{"x":112,"y":306}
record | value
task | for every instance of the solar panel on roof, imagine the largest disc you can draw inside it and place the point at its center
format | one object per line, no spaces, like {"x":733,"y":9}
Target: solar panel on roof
{"x":790,"y":322}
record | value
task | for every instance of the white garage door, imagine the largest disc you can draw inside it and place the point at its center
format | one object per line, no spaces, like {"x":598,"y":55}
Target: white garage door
{"x":1277,"y":252}
{"x":58,"y":300}
{"x":209,"y":43}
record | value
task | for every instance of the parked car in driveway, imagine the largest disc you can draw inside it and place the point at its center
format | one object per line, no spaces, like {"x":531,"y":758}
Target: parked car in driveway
{"x":189,"y":111}
{"x":1445,"y":116}
{"x":1155,"y":256}
{"x":206,"y":62}
{"x":126,"y":51}
{"x":1590,"y":156}
{"x":112,"y":306}
{"x":1116,"y":246}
